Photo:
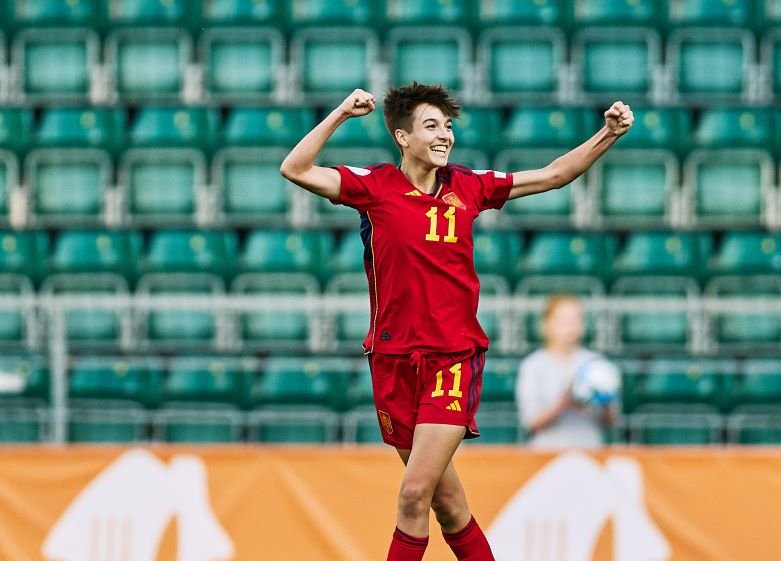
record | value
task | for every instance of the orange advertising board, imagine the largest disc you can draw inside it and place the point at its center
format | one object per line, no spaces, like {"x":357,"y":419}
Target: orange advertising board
{"x":329,"y":504}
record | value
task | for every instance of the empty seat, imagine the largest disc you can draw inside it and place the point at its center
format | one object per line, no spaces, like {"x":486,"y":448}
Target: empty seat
{"x":329,"y":62}
{"x":349,"y":326}
{"x":194,"y":127}
{"x":182,"y":325}
{"x":302,"y":381}
{"x":666,"y":128}
{"x":294,"y":425}
{"x":325,"y":12}
{"x":267,"y":126}
{"x":732,"y":127}
{"x":549,"y":127}
{"x":107,"y":379}
{"x":746,"y":253}
{"x":69,"y":186}
{"x":683,"y":381}
{"x":521,"y":61}
{"x":679,"y":427}
{"x":771,"y":60}
{"x":368,"y":131}
{"x":637,"y":185}
{"x":96,"y":251}
{"x":408,"y":12}
{"x":15,"y":128}
{"x":499,"y":383}
{"x":148,"y":64}
{"x":617,"y":12}
{"x":9,"y":179}
{"x":20,"y":424}
{"x":361,"y":426}
{"x":759,"y":386}
{"x":242,"y":12}
{"x":16,"y":321}
{"x":56,"y":64}
{"x":186,"y":251}
{"x":252,"y":190}
{"x":729,"y":186}
{"x":278,"y":251}
{"x":710,"y":63}
{"x":278,"y":328}
{"x":568,"y":253}
{"x":429,"y":55}
{"x":241,"y":63}
{"x":84,"y":13}
{"x":737,"y":13}
{"x":528,"y":12}
{"x":206,"y":380}
{"x":349,"y":255}
{"x":759,"y":429}
{"x":191,"y":423}
{"x":26,"y":380}
{"x":24,"y":253}
{"x":497,"y":252}
{"x":162,"y":186}
{"x":121,"y":423}
{"x":619,"y":62}
{"x":497,"y":428}
{"x":149,"y":13}
{"x":682,"y":254}
{"x":66,"y":127}
{"x":477,"y":127}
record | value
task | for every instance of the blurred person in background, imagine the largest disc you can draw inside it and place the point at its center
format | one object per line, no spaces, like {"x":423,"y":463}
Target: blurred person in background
{"x":549,"y":412}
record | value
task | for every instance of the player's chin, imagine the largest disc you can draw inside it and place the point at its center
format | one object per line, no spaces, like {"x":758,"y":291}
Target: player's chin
{"x":440,"y":160}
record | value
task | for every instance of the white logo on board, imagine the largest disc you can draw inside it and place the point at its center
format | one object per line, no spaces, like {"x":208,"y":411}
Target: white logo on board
{"x":122,"y":514}
{"x":559,"y":514}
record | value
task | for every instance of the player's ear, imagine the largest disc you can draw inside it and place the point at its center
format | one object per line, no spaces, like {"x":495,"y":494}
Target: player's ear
{"x":401,"y":137}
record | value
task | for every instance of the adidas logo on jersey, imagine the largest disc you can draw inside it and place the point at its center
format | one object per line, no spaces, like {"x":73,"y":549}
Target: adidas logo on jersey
{"x":414,"y":193}
{"x":455,"y":406}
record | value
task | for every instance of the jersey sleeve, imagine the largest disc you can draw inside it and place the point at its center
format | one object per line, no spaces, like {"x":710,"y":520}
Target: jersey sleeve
{"x":359,"y":188}
{"x":494,"y":188}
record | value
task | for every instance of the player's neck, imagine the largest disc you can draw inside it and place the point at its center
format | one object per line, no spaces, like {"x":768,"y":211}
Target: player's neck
{"x":423,"y":179}
{"x":562,"y":351}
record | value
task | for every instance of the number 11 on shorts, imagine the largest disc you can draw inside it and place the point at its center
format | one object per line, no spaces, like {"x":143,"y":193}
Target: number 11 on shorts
{"x":456,"y":391}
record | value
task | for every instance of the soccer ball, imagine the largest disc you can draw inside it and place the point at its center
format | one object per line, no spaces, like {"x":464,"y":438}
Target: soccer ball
{"x":596,"y":383}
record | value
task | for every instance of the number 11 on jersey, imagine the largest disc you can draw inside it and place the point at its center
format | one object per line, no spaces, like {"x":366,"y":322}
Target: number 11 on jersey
{"x":450,"y":214}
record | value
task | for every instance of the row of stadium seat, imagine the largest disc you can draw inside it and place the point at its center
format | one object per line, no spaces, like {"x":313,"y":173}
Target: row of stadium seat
{"x":666,"y":401}
{"x":511,"y":255}
{"x":197,"y":14}
{"x":506,"y":64}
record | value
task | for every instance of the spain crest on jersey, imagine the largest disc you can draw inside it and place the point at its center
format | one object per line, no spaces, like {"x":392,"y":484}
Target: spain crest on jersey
{"x":453,"y":200}
{"x":385,"y":421}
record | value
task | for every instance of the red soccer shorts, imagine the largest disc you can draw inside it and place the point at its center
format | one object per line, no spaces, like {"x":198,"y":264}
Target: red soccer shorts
{"x":426,"y":388}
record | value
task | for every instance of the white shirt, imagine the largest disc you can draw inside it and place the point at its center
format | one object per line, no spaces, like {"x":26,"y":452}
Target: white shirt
{"x":542,"y":381}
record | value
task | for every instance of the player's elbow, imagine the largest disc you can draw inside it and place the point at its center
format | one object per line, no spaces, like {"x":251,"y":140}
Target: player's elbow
{"x":558,"y":176}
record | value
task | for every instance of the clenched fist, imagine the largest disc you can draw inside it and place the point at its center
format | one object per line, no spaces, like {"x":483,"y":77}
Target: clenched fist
{"x":619,"y":118}
{"x":358,"y":103}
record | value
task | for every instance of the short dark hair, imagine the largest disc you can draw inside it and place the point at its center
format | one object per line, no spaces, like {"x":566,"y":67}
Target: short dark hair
{"x":401,"y":102}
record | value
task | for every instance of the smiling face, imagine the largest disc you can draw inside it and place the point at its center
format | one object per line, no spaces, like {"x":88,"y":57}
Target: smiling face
{"x":429,"y":142}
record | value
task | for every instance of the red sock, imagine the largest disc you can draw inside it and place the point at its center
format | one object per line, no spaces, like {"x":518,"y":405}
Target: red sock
{"x":406,"y":548}
{"x":469,"y":543}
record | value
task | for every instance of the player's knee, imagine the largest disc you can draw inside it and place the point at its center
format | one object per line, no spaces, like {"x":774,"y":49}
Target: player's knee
{"x":414,"y":499}
{"x":448,"y":508}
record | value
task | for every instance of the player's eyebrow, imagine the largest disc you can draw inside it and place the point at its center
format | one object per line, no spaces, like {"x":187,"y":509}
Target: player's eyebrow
{"x":448,"y":120}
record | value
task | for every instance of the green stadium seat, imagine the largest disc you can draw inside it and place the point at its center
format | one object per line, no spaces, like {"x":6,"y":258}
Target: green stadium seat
{"x":93,"y":327}
{"x":618,"y":62}
{"x":651,"y":327}
{"x":744,"y":329}
{"x":549,"y":127}
{"x":184,"y":326}
{"x":95,"y":251}
{"x":496,"y":323}
{"x":361,"y":426}
{"x":16,"y":328}
{"x":497,"y":252}
{"x":118,"y":423}
{"x":19,"y":424}
{"x":682,"y":382}
{"x":328,"y":12}
{"x":470,"y":158}
{"x":681,"y":254}
{"x":277,"y":329}
{"x":267,"y":126}
{"x":191,"y":251}
{"x":189,"y":423}
{"x":733,"y":13}
{"x":69,"y":185}
{"x":9,"y":179}
{"x":429,"y":55}
{"x":24,"y":253}
{"x":754,"y":429}
{"x":331,"y":61}
{"x":280,"y":251}
{"x":348,"y":255}
{"x":241,"y":64}
{"x":242,"y":12}
{"x":617,"y":12}
{"x":206,"y":380}
{"x":148,"y":64}
{"x":368,"y":131}
{"x":771,"y":60}
{"x":759,"y":385}
{"x":497,"y":428}
{"x":150,"y":13}
{"x":65,"y":127}
{"x":679,"y":427}
{"x":666,"y":128}
{"x":568,"y":253}
{"x":293,"y":381}
{"x":636,"y":185}
{"x":294,"y":425}
{"x":56,"y":64}
{"x":410,"y":12}
{"x":735,"y":127}
{"x":746,"y":253}
{"x":729,"y":186}
{"x":499,"y":380}
{"x":477,"y":127}
{"x":768,"y":14}
{"x":194,"y":127}
{"x":529,"y":12}
{"x":162,"y":185}
{"x":253,"y":191}
{"x":34,"y":13}
{"x":521,"y":64}
{"x":349,"y":328}
{"x":26,"y":380}
{"x":96,"y":379}
{"x":710,"y":64}
{"x":16,"y":125}
{"x":553,"y":208}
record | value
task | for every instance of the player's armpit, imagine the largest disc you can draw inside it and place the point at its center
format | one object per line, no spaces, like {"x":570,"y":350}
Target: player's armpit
{"x":319,"y":180}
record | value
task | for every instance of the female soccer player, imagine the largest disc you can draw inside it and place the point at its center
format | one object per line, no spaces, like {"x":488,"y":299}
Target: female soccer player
{"x":425,"y":347}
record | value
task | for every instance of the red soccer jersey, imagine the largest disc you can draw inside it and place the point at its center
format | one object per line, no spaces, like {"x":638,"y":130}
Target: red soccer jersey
{"x":419,"y":256}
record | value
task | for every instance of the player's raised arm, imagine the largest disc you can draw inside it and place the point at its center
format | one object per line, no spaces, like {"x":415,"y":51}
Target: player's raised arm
{"x":299,"y":166}
{"x":564,"y":169}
